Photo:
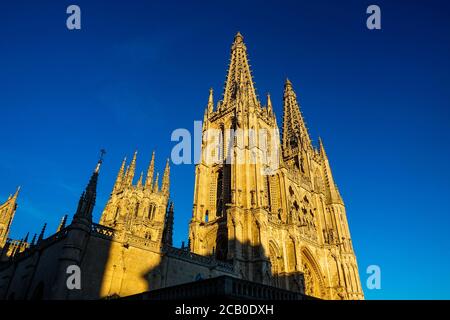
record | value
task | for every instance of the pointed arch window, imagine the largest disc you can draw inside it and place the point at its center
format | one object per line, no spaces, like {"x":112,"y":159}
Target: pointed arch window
{"x":292,"y":258}
{"x":219,"y":193}
{"x":151,"y":211}
{"x":256,"y":240}
{"x":136,"y":210}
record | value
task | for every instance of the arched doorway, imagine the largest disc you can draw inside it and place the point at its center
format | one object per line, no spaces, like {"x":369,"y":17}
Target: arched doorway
{"x":314,"y":285}
{"x":276,"y":262}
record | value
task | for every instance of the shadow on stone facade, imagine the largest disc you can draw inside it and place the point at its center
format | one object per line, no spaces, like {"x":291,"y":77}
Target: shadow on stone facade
{"x":40,"y":272}
{"x":180,"y":273}
{"x":43,"y":270}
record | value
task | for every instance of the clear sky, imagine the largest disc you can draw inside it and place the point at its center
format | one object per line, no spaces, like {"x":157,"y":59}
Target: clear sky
{"x":137,"y":70}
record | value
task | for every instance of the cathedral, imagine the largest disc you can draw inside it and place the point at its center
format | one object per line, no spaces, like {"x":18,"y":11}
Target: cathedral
{"x":266,"y":213}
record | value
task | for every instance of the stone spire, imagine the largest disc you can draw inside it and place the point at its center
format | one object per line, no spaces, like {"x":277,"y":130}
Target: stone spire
{"x":168,"y":226}
{"x":87,"y":200}
{"x":139,"y":183}
{"x":62,"y":224}
{"x":156,"y":184}
{"x":211,"y":101}
{"x":269,"y":104}
{"x":150,"y":171}
{"x":239,"y":76}
{"x":295,"y":133}
{"x":120,"y":176}
{"x":41,"y":235}
{"x":33,"y":241}
{"x":7,"y":213}
{"x":16,"y":194}
{"x":166,"y":179}
{"x":332,"y":192}
{"x":129,"y":176}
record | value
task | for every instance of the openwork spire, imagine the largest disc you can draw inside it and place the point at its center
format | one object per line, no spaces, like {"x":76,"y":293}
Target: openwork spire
{"x":87,"y":199}
{"x":239,"y":81}
{"x":295,"y":132}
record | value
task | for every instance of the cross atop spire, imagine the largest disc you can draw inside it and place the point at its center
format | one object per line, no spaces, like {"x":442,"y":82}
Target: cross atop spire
{"x":239,"y":77}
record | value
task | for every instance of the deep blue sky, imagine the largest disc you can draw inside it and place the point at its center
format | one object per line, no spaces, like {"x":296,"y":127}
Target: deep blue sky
{"x":140,"y":69}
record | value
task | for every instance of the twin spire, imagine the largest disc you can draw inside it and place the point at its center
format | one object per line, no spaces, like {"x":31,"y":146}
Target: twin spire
{"x":239,"y":87}
{"x":125,"y":177}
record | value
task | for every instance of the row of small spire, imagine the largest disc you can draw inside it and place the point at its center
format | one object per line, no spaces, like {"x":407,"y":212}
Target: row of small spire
{"x":125,"y":177}
{"x":87,"y":200}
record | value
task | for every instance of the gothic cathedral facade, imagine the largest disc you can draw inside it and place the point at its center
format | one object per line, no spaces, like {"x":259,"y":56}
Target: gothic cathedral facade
{"x":266,"y":210}
{"x":272,"y":224}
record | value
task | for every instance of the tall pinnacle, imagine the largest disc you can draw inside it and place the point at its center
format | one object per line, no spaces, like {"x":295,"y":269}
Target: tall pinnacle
{"x":166,"y":178}
{"x":269,"y":104}
{"x":295,"y":133}
{"x":151,"y":169}
{"x":156,"y":184}
{"x":62,"y":224}
{"x":239,"y":76}
{"x":120,"y":175}
{"x":332,"y":192}
{"x":211,"y":101}
{"x":87,"y":200}
{"x":41,"y":235}
{"x":139,"y":183}
{"x":131,"y":170}
{"x":33,"y":241}
{"x":16,"y":194}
